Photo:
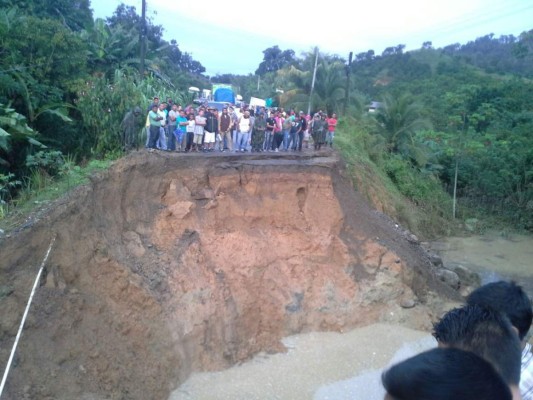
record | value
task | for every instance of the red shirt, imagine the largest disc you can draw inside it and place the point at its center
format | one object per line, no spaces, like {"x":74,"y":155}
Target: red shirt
{"x":332,"y":123}
{"x":279,"y":123}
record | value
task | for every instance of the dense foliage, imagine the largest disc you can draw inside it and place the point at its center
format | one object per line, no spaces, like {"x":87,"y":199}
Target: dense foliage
{"x":458,"y":118}
{"x":479,"y":141}
{"x":67,"y":80}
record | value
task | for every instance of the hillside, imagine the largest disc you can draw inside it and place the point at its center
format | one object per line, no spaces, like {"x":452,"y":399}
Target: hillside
{"x":167,"y":264}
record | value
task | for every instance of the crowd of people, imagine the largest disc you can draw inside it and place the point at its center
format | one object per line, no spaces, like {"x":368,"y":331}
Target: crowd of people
{"x":170,"y":127}
{"x":482,"y":352}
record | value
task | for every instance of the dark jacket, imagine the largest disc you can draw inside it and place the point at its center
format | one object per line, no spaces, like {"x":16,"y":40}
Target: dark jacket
{"x":211,"y":123}
{"x":225,"y":122}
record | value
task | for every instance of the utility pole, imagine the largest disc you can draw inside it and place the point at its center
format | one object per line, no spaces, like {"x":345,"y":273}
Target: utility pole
{"x":347,"y":90}
{"x":313,"y":82}
{"x":143,"y":38}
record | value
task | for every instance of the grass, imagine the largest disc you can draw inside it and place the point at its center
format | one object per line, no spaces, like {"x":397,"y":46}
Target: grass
{"x":417,"y":202}
{"x":40,"y":189}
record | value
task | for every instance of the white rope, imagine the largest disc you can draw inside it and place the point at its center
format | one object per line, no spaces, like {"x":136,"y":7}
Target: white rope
{"x":8,"y":366}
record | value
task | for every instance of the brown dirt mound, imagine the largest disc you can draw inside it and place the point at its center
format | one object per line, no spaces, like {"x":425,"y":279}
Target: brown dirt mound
{"x":168,"y":264}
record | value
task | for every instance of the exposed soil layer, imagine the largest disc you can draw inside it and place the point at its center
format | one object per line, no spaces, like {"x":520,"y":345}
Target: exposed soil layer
{"x":168,"y":264}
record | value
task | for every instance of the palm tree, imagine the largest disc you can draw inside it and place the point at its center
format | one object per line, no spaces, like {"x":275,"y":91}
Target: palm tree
{"x":295,"y":83}
{"x":329,"y":88}
{"x":397,"y":121}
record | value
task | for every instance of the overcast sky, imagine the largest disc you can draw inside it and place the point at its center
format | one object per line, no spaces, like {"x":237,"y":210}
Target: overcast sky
{"x":229,"y":37}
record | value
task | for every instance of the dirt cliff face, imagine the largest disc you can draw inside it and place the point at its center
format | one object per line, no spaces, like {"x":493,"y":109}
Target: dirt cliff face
{"x":169,"y":264}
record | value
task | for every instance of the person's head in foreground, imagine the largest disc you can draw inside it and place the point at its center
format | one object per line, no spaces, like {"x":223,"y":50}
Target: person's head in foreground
{"x":444,"y":374}
{"x":507,"y":298}
{"x":486,"y":333}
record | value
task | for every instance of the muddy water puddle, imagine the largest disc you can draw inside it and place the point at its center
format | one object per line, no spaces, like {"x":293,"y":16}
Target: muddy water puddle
{"x":493,"y":256}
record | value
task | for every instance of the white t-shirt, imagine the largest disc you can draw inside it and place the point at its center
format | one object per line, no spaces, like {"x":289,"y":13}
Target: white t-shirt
{"x":190,"y":126}
{"x":172,"y":116}
{"x":244,"y":124}
{"x":162,"y":114}
{"x":200,"y":123}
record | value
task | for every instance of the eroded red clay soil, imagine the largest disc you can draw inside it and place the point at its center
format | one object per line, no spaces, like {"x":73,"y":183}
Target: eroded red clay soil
{"x":169,"y":264}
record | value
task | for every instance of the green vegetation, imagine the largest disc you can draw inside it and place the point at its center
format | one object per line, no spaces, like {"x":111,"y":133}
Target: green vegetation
{"x":66,"y":83}
{"x":414,"y":197}
{"x":40,"y":188}
{"x":452,"y":138}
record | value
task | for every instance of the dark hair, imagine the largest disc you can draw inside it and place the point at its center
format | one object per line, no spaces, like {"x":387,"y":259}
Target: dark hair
{"x":507,"y":298}
{"x":486,"y":333}
{"x":444,"y":374}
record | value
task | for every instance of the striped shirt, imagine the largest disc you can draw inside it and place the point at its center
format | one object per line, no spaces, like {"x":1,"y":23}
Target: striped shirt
{"x":526,"y":377}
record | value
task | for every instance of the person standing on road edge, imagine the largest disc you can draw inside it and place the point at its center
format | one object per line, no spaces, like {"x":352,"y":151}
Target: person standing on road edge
{"x":278,"y":134}
{"x":294,"y":135}
{"x":155,"y":125}
{"x":210,"y":130}
{"x":225,"y":124}
{"x":303,"y":130}
{"x":244,"y":129}
{"x":199,"y":124}
{"x":172,"y":122}
{"x":258,"y":133}
{"x":332,"y":125}
{"x":181,"y":130}
{"x":318,"y":130}
{"x":269,"y":132}
{"x":190,"y":128}
{"x":162,"y":141}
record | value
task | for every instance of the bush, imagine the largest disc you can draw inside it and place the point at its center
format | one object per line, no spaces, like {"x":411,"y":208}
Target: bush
{"x":392,"y":184}
{"x":50,"y":162}
{"x":103,"y":105}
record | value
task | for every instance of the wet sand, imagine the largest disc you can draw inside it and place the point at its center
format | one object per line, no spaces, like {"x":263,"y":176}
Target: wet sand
{"x":317,"y":365}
